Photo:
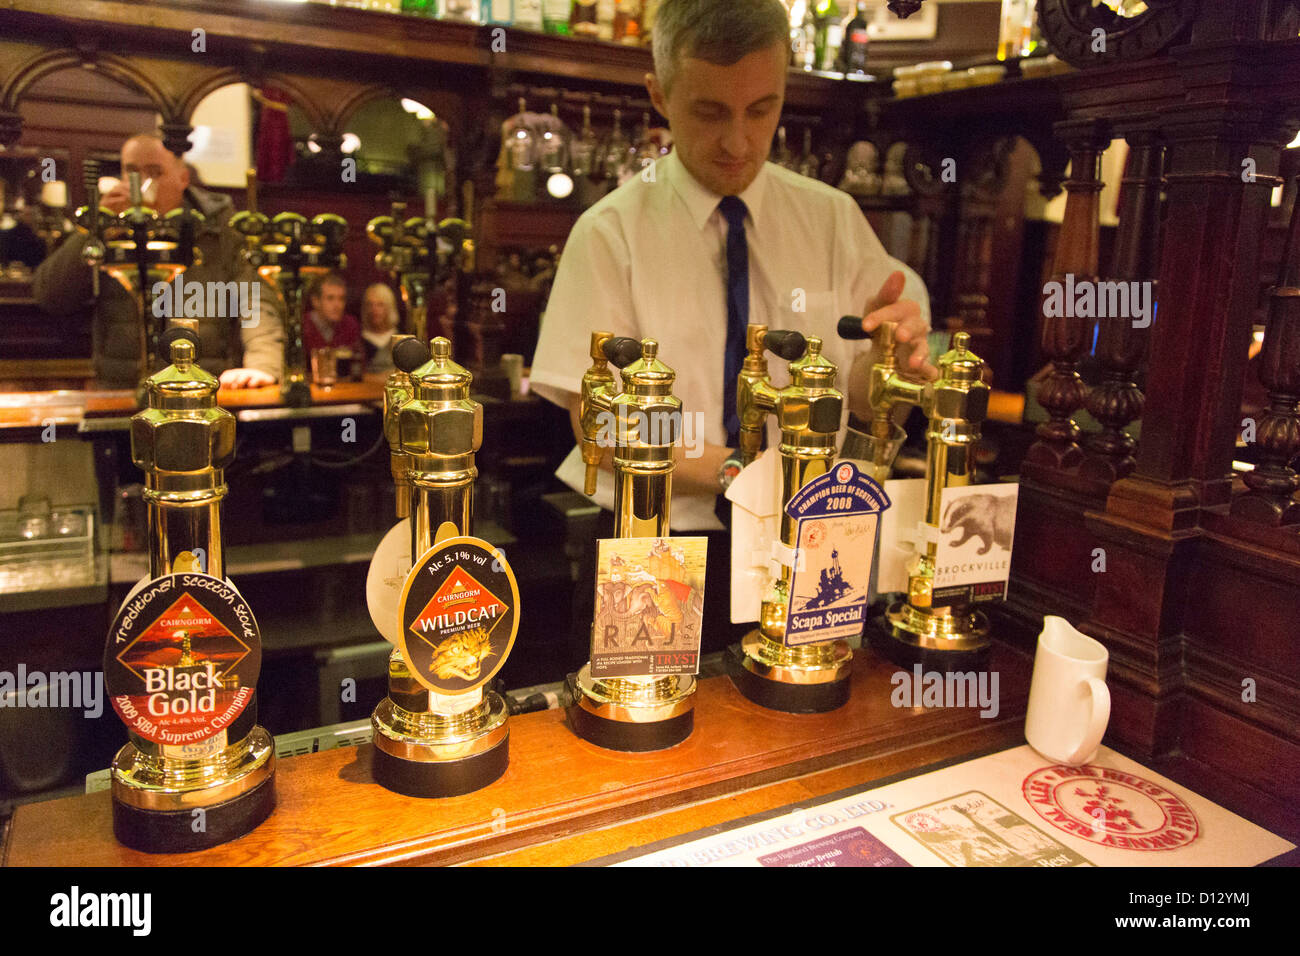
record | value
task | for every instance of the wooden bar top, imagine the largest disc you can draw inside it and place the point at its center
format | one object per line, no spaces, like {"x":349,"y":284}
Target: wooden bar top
{"x":66,"y":406}
{"x":559,"y":787}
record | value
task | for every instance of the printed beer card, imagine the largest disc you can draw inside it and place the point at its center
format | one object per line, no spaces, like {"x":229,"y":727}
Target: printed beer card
{"x":973,"y":556}
{"x":649,"y":607}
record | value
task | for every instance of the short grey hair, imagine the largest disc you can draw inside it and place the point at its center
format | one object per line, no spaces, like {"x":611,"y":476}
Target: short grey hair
{"x":716,"y":31}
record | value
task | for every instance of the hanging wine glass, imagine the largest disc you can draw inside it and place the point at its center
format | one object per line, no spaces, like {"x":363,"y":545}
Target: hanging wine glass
{"x":615,"y":155}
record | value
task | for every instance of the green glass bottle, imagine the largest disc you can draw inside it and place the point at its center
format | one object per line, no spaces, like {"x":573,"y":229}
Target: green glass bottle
{"x":555,"y":16}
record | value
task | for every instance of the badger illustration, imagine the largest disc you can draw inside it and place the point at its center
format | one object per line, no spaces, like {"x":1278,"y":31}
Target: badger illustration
{"x":990,"y":518}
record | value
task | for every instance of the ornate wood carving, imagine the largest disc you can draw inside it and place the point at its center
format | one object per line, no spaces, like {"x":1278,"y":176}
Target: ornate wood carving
{"x":1121,"y":345}
{"x":1085,"y":33}
{"x":1064,"y":336}
{"x":1273,"y":483}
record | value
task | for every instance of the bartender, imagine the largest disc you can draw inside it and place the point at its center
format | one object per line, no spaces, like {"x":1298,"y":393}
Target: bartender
{"x":707,"y":240}
{"x":245,"y":351}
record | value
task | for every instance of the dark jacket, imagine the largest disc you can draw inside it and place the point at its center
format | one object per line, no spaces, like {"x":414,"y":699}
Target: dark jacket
{"x":61,"y":285}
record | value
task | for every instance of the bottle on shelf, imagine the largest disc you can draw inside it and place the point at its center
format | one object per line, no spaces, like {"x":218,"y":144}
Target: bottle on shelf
{"x":420,"y":8}
{"x":853,"y":55}
{"x":1018,"y":34}
{"x":555,"y":16}
{"x":829,"y":34}
{"x":499,"y":12}
{"x":648,"y":11}
{"x":803,"y":34}
{"x":528,"y":14}
{"x":627,"y":22}
{"x":582,"y":19}
{"x":464,"y":10}
{"x":605,"y":13}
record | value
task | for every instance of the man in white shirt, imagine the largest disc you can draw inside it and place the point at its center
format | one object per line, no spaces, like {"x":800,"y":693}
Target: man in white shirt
{"x":672,"y":256}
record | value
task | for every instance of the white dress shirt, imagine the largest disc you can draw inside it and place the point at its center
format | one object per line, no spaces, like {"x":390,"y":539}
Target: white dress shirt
{"x":649,"y":261}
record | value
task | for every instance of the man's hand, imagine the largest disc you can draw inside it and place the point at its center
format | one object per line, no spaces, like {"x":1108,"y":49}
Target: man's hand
{"x":116,"y":199}
{"x":245,"y":378}
{"x":913,"y":350}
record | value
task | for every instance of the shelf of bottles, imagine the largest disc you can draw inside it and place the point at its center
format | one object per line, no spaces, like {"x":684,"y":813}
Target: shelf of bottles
{"x":826,"y":37}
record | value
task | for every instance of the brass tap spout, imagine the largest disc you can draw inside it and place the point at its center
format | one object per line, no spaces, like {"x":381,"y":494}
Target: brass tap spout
{"x":599,"y":391}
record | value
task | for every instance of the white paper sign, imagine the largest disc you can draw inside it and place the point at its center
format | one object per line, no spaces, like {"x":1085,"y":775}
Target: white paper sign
{"x":973,"y":558}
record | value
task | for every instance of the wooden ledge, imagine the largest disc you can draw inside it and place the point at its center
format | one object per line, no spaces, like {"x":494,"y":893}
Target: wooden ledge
{"x":330,"y":811}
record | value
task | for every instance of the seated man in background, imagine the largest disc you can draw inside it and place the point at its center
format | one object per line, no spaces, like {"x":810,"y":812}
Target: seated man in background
{"x":245,"y":351}
{"x":327,"y":325}
{"x":379,"y":318}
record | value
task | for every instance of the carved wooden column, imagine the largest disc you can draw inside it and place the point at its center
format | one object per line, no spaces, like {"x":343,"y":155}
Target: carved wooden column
{"x":1154,"y":589}
{"x":983,"y":181}
{"x":1116,"y":400}
{"x":1272,"y":496}
{"x":1065,"y":337}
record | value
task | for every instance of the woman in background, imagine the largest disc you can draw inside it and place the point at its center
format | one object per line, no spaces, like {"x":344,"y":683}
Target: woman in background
{"x":378,"y":323}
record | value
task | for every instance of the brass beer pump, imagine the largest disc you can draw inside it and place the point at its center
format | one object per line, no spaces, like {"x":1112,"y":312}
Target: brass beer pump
{"x":637,"y":713}
{"x":955,"y":406}
{"x":409,"y":251}
{"x":138,"y":249}
{"x":289,"y":250}
{"x":429,"y":744}
{"x":809,"y":678}
{"x":185,"y":627}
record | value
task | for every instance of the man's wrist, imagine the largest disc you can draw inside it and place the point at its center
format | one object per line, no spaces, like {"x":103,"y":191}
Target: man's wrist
{"x":730,"y":468}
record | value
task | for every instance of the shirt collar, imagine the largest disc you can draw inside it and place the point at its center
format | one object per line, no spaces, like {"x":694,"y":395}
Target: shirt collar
{"x":701,"y":202}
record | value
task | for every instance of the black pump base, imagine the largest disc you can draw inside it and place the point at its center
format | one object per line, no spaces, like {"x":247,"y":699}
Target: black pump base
{"x":173,"y":831}
{"x":908,"y":655}
{"x":782,"y":696}
{"x":625,"y":735}
{"x":447,"y":778}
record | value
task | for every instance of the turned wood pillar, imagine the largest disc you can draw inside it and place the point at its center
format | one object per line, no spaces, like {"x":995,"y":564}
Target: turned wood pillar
{"x":1065,"y":336}
{"x":1121,"y":343}
{"x":1218,"y":161}
{"x":1272,"y":498}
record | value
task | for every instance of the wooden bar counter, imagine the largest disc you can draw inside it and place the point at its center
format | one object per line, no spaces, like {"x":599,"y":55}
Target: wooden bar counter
{"x":563,"y":800}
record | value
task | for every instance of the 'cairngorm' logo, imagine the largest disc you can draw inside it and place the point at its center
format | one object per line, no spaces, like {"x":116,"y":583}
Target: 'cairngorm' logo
{"x":1111,"y":808}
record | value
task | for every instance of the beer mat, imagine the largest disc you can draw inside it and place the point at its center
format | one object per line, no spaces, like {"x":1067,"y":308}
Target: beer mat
{"x":1008,"y":808}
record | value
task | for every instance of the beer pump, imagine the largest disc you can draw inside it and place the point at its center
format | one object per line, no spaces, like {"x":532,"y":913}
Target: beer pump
{"x":639,"y":712}
{"x":183,"y":652}
{"x":765,"y":667}
{"x":289,"y":250}
{"x":440,"y":732}
{"x":418,"y":253}
{"x":138,"y":249}
{"x":918,"y":630}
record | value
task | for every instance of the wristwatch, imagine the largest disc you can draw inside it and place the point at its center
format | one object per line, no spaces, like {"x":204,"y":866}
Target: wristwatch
{"x":729,"y":470}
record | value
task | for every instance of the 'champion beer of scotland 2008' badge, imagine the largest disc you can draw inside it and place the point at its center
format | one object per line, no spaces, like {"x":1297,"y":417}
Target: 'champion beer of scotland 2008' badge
{"x":459,"y":615}
{"x":182,"y":659}
{"x":837,"y":514}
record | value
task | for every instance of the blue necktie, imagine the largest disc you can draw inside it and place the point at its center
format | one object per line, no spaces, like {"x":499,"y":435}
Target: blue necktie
{"x":733,"y":210}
